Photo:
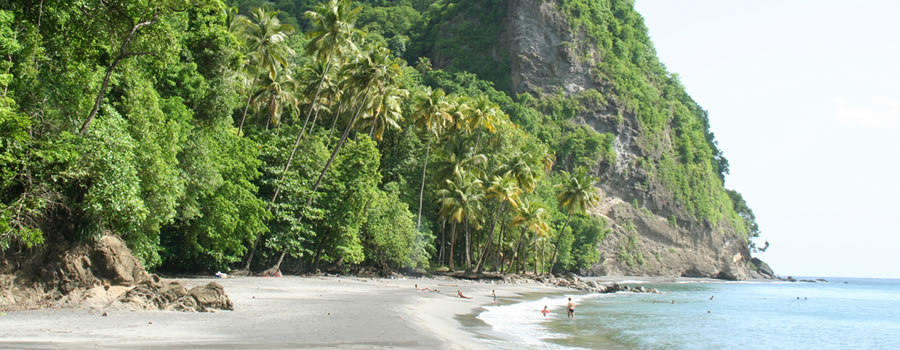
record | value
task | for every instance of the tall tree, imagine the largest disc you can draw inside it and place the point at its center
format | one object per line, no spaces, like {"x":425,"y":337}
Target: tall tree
{"x":530,"y":217}
{"x":132,"y":27}
{"x":332,"y":35}
{"x":461,"y":202}
{"x":505,"y":191}
{"x":430,"y":114}
{"x":576,"y":194}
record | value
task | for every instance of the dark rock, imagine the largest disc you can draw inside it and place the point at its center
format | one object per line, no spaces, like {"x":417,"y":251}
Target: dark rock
{"x":763,"y":268}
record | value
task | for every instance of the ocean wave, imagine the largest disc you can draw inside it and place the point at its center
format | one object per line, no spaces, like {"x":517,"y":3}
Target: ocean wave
{"x":522,"y":323}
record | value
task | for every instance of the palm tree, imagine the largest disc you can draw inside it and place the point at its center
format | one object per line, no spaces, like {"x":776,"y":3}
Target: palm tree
{"x":577,"y":193}
{"x":461,"y":200}
{"x":374,"y":70}
{"x":519,"y":167}
{"x":332,"y":37}
{"x":332,"y":34}
{"x":531,"y":217}
{"x":275,"y":94}
{"x":423,"y":66}
{"x":504,"y":190}
{"x":264,"y":38}
{"x":430,"y":114}
{"x":484,"y":113}
{"x":386,"y":111}
{"x":331,"y":92}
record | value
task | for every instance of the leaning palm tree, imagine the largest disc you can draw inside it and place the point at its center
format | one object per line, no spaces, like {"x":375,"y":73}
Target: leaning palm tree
{"x":576,"y":194}
{"x":461,"y":202}
{"x":370,"y":73}
{"x":505,"y":191}
{"x":265,"y":40}
{"x":430,"y":113}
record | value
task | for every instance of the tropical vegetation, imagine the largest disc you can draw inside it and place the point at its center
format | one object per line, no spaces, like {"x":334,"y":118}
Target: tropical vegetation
{"x":216,"y":135}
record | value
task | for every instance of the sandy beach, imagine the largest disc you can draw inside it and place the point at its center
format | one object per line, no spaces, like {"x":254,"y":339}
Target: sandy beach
{"x":278,"y":313}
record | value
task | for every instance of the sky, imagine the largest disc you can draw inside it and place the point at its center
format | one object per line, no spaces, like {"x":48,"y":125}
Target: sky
{"x":804,"y":99}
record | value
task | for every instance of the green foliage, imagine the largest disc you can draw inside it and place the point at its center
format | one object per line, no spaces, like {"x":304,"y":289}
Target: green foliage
{"x":589,"y":232}
{"x":390,"y":234}
{"x":457,"y":36}
{"x":351,"y":184}
{"x":628,"y":251}
{"x":583,"y":147}
{"x":164,"y":165}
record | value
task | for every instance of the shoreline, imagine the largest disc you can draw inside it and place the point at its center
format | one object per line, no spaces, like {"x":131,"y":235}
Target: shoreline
{"x":289,"y":312}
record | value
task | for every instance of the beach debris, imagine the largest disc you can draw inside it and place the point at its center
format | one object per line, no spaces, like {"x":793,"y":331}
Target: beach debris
{"x":220,"y":274}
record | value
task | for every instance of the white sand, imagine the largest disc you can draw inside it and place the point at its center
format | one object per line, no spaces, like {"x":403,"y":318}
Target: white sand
{"x":276,"y":313}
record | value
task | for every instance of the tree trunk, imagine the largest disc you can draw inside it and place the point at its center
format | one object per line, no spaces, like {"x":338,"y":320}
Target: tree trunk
{"x":422,"y":188}
{"x":287,"y":166}
{"x":490,"y":240}
{"x":468,"y":247}
{"x":123,"y":54}
{"x":339,"y":145}
{"x":315,"y":99}
{"x":252,"y":252}
{"x":334,"y":120}
{"x":497,"y":257}
{"x":443,"y":242}
{"x":558,"y":240}
{"x":452,"y":243}
{"x":247,"y":106}
{"x":515,"y":256}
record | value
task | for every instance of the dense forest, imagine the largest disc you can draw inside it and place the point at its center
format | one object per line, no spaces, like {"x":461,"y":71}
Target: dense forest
{"x":308,"y":134}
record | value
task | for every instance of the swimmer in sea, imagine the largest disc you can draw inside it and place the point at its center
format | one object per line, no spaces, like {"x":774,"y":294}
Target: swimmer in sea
{"x":571,"y":307}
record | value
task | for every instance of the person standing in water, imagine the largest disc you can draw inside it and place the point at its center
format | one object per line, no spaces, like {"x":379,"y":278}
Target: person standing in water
{"x":545,"y":311}
{"x":571,"y":307}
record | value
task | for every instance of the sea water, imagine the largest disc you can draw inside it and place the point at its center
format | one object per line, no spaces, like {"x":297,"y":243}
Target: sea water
{"x":844,"y":313}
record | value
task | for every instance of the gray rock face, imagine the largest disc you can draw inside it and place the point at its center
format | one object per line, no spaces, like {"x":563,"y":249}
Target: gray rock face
{"x":658,"y":237}
{"x":662,"y":239}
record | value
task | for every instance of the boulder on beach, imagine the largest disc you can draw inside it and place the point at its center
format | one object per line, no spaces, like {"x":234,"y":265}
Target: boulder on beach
{"x":100,"y":273}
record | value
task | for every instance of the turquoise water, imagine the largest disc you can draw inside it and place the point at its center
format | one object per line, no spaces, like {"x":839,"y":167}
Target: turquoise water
{"x":858,"y":314}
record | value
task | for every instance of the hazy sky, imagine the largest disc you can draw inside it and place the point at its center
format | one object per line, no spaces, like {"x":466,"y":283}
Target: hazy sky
{"x":804,"y":98}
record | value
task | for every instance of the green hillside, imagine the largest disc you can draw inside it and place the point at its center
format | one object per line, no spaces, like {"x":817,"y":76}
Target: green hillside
{"x":332,"y":135}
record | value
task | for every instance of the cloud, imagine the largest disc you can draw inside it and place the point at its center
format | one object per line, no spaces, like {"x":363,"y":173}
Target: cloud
{"x":880,"y":112}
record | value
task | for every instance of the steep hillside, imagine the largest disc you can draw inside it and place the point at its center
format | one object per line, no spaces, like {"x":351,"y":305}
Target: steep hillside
{"x":663,"y":188}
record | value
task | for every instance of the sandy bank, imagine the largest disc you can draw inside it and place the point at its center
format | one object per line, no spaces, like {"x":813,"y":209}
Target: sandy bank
{"x":275,"y":313}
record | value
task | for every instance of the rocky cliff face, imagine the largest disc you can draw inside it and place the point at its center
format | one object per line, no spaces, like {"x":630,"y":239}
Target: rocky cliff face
{"x":651,"y":233}
{"x":657,"y":237}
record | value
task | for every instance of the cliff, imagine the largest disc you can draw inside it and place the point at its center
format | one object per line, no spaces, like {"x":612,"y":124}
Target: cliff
{"x":663,"y":190}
